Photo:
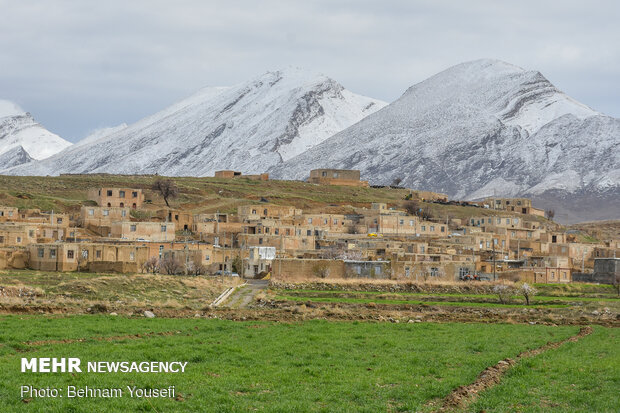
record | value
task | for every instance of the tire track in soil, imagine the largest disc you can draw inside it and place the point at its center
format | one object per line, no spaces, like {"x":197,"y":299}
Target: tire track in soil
{"x":464,"y":395}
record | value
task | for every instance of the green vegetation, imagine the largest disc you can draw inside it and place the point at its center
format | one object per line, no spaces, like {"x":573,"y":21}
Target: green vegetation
{"x":242,"y":366}
{"x":380,"y":300}
{"x":577,"y":377}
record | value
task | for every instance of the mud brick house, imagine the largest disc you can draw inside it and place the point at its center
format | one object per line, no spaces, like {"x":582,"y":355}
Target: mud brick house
{"x":263,"y":211}
{"x":182,"y":220}
{"x":8,"y":214}
{"x":117,"y":197}
{"x":17,"y":234}
{"x":92,"y":215}
{"x":143,"y":231}
{"x":94,"y":257}
{"x":518,"y":205}
{"x":259,"y":261}
{"x":341,"y":177}
{"x":235,"y":174}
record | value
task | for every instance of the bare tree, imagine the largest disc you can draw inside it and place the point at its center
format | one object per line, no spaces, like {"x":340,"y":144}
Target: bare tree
{"x":321,"y":270}
{"x":397,"y":181}
{"x":411,"y":207}
{"x":504,"y":292}
{"x":195,"y":267}
{"x":151,"y":265}
{"x":170,"y":266}
{"x":166,"y":188}
{"x":527,"y":291}
{"x":550,"y":214}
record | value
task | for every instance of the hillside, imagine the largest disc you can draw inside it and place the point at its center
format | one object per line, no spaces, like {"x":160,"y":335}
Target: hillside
{"x":249,"y":127}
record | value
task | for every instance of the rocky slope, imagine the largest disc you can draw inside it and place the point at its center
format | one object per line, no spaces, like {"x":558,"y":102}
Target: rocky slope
{"x":249,"y":127}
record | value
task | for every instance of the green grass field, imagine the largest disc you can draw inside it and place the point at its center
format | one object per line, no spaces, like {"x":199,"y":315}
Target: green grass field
{"x":266,"y":366}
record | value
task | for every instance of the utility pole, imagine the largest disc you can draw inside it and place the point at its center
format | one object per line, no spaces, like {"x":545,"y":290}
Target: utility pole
{"x":494,"y":274}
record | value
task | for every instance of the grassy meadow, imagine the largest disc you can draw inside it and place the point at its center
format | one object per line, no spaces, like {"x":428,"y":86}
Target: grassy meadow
{"x":266,"y":366}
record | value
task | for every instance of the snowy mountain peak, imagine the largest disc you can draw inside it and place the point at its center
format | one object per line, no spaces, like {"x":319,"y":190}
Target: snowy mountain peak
{"x":18,"y":129}
{"x":247,"y":127}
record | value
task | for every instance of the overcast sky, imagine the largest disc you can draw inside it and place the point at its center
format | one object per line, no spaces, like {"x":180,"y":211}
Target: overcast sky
{"x":82,"y":65}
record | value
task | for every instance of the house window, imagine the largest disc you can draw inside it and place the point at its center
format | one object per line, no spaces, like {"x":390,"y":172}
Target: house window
{"x":134,"y":194}
{"x":407,"y":271}
{"x":132,"y":228}
{"x":309,"y":220}
{"x":109,"y":192}
{"x":325,"y":222}
{"x":52,"y":253}
{"x":41,"y":253}
{"x":402,"y":222}
{"x":132,"y":256}
{"x":518,"y":202}
{"x":335,"y":174}
{"x":122,"y":205}
{"x":499,"y":220}
{"x":176,"y":217}
{"x":443,"y":229}
{"x":432,"y":228}
{"x":422,"y":249}
{"x":85,"y":254}
{"x":276,"y":231}
{"x":515,"y":221}
{"x":59,"y":221}
{"x":323,"y":173}
{"x":105,"y":212}
{"x":70,"y":254}
{"x":411,"y":222}
{"x":123,"y":213}
{"x":31,"y":233}
{"x":564,"y":275}
{"x":121,"y":194}
{"x":423,"y":227}
{"x":335,"y":222}
{"x":19,"y":240}
{"x":91,"y":212}
{"x":513,"y":234}
{"x":508,"y":221}
{"x":253,"y":212}
{"x":308,"y":232}
{"x":163,"y":228}
{"x":260,"y":241}
{"x":488,"y":244}
{"x":206,"y":258}
{"x":265,"y":211}
{"x":98,"y":253}
{"x":434,"y":272}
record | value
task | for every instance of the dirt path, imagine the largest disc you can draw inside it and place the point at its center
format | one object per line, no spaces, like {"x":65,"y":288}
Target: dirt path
{"x":245,"y":295}
{"x":491,"y":376}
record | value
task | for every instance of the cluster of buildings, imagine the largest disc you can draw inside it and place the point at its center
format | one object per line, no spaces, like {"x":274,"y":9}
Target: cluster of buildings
{"x":116,"y":231}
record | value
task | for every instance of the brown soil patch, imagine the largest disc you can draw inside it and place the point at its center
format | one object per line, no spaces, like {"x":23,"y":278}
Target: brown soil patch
{"x":491,"y":376}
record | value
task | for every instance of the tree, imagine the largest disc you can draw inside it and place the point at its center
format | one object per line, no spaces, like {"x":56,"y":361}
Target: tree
{"x":527,"y":291}
{"x":195,"y":267}
{"x":170,"y":266}
{"x":321,"y":270}
{"x":151,"y":265}
{"x":503,"y":292}
{"x":166,"y":188}
{"x":397,"y":181}
{"x":411,"y":207}
{"x":550,"y":214}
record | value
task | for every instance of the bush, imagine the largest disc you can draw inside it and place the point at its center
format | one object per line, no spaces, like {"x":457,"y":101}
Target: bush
{"x":504,"y":292}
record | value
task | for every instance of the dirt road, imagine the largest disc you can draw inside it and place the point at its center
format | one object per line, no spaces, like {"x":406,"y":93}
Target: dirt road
{"x":244,"y":295}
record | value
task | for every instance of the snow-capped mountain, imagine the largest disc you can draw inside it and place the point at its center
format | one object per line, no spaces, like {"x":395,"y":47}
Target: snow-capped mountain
{"x":18,"y":129}
{"x":477,"y":129}
{"x":249,"y":127}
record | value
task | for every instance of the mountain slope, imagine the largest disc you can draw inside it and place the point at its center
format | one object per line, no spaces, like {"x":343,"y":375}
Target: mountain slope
{"x":477,"y":129}
{"x":248,"y":127}
{"x":18,"y":129}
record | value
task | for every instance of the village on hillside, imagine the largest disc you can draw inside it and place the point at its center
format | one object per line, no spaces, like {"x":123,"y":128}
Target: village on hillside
{"x":122,"y":230}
